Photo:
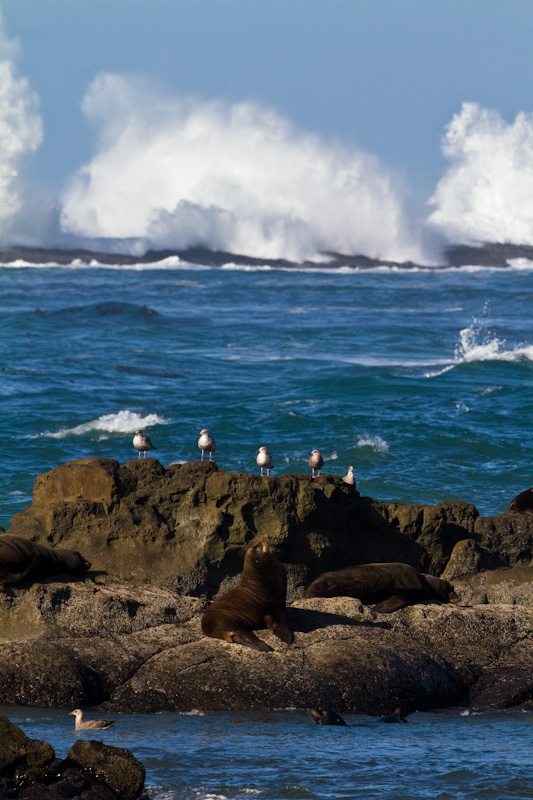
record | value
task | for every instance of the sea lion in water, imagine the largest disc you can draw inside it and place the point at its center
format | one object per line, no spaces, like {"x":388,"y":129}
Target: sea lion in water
{"x":20,"y":558}
{"x":257,"y":602}
{"x":523,"y":502}
{"x":391,"y":586}
{"x":396,"y":716}
{"x":326,"y":716}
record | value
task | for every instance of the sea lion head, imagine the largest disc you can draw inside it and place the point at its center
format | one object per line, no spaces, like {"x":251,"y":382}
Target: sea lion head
{"x":80,"y":565}
{"x":326,"y":716}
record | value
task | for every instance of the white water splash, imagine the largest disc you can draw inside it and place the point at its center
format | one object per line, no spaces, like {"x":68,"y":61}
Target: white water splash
{"x":20,"y":132}
{"x":478,"y":344}
{"x":122,"y":422}
{"x":180,"y":173}
{"x":375,"y":442}
{"x":487,"y":193}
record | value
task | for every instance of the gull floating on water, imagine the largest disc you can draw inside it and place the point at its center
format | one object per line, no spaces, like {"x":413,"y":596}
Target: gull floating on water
{"x":349,"y":477}
{"x":90,"y":724}
{"x":206,"y":443}
{"x":142,"y":443}
{"x":264,"y":460}
{"x":316,"y":461}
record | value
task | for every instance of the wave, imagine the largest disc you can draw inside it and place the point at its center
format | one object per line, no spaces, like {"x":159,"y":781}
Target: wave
{"x":487,"y":193}
{"x":121,"y":422}
{"x":179,"y":264}
{"x":375,"y":442}
{"x":181,"y":172}
{"x":476,"y":344}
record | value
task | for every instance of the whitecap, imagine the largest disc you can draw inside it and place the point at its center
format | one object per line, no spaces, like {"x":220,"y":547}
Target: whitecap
{"x":375,"y":442}
{"x":476,"y":344}
{"x":122,"y":422}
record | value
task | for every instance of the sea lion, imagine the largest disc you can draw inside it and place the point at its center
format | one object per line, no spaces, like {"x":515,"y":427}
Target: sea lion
{"x":257,"y":602}
{"x":523,"y":502}
{"x":396,"y":716}
{"x":326,"y":716}
{"x":391,"y":586}
{"x":20,"y":558}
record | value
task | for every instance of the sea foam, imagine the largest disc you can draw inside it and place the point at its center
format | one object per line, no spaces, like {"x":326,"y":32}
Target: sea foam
{"x":122,"y":422}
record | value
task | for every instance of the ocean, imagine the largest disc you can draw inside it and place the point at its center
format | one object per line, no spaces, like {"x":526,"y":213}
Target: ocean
{"x":454,"y":754}
{"x":422,"y":379}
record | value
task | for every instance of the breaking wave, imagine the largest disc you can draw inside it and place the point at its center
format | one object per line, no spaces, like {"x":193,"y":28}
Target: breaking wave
{"x":375,"y":442}
{"x":487,"y":193}
{"x":122,"y":422}
{"x":179,"y":173}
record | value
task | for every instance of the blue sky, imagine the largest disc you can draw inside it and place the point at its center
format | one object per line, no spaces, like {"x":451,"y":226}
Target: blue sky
{"x":382,"y":76}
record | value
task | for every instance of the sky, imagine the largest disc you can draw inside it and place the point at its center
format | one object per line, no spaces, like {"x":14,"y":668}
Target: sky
{"x":279,"y":128}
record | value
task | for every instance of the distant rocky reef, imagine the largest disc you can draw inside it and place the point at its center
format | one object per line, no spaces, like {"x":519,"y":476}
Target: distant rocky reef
{"x":164,"y":542}
{"x":489,"y":255}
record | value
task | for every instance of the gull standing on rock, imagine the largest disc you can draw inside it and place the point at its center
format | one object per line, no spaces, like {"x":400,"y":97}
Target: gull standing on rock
{"x":206,"y":443}
{"x":264,"y":459}
{"x":316,"y":461}
{"x":90,"y":725}
{"x":349,"y":477}
{"x":142,"y":443}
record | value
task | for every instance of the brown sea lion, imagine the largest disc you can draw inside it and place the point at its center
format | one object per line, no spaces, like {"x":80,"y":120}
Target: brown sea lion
{"x":257,"y":602}
{"x":523,"y":502}
{"x":396,"y":716}
{"x":326,"y":716}
{"x":20,"y":559}
{"x":391,"y":586}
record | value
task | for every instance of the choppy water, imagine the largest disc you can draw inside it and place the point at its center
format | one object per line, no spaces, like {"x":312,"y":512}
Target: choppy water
{"x":449,"y":755}
{"x":420,"y":379}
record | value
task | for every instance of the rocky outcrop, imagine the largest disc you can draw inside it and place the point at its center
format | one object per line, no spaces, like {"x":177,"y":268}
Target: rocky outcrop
{"x":164,"y":541}
{"x":188,"y":527}
{"x":92,"y":769}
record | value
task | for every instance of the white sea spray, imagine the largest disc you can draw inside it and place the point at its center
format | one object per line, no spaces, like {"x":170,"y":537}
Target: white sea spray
{"x":121,"y":422}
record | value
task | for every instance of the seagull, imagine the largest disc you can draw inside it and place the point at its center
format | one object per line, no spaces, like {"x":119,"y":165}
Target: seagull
{"x":90,"y":725}
{"x":206,"y":443}
{"x":349,"y":477}
{"x":142,"y":443}
{"x":264,"y":459}
{"x":316,"y":461}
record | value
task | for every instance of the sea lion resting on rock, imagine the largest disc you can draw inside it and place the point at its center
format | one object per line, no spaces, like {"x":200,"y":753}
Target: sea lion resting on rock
{"x":20,"y":558}
{"x":523,"y":502}
{"x":257,"y":602}
{"x":391,"y":586}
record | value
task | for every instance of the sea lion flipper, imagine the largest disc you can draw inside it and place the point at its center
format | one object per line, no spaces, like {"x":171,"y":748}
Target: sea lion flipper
{"x":280,"y":628}
{"x":393,"y":603}
{"x":248,"y":639}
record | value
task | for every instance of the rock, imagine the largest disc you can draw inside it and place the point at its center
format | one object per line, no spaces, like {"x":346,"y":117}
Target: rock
{"x":188,"y":527}
{"x":467,"y":558}
{"x":116,"y":767}
{"x":92,"y":770}
{"x":509,"y":537}
{"x":165,"y":541}
{"x":18,"y":751}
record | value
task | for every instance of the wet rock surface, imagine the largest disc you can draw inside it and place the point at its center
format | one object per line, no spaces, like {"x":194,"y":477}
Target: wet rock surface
{"x":163,"y":542}
{"x":92,"y":770}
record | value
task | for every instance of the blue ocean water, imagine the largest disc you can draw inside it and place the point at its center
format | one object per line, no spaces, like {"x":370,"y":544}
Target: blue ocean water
{"x":422,"y":380}
{"x":447,"y":755}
